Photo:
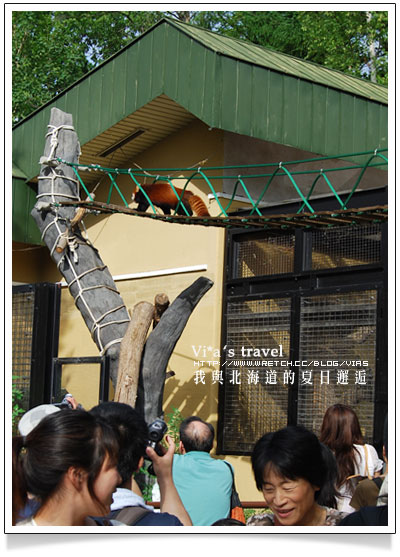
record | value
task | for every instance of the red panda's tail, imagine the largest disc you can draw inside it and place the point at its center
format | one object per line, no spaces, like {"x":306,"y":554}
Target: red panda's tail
{"x":198,"y":206}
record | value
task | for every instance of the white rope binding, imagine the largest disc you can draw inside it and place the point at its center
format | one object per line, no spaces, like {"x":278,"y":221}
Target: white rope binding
{"x":49,"y":160}
{"x":71,"y":241}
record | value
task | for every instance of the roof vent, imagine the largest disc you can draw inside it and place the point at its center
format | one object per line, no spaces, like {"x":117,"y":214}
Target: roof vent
{"x":121,"y":142}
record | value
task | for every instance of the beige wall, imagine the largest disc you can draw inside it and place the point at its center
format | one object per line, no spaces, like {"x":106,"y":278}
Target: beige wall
{"x":32,"y":264}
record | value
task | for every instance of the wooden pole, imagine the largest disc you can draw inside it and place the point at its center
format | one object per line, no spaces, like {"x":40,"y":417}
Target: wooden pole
{"x":93,"y":288}
{"x":161,"y":302}
{"x":131,"y":353}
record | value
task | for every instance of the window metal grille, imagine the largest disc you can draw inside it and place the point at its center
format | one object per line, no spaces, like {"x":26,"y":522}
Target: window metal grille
{"x":35,"y":327}
{"x":271,"y":255}
{"x":334,"y":320}
{"x":338,"y":329}
{"x":23,"y":305}
{"x":345,"y":246}
{"x":259,"y":402}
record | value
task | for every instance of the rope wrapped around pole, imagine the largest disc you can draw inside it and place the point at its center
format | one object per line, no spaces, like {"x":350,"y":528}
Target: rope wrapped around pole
{"x":89,"y":280}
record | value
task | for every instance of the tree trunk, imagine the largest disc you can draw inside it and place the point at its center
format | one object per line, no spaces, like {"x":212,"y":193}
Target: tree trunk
{"x":89,"y":281}
{"x":159,"y":347}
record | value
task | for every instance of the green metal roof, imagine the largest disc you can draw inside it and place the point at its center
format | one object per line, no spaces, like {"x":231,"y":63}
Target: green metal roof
{"x":17,"y":173}
{"x":257,"y":55}
{"x":228,"y":84}
{"x":24,"y":228}
{"x":284,"y":63}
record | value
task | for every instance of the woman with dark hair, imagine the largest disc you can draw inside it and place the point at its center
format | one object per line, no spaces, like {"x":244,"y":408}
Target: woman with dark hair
{"x":68,"y":464}
{"x":341,"y":432}
{"x":296,"y":475}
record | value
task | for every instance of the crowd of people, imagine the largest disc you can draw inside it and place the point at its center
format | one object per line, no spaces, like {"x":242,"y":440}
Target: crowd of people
{"x":77,"y":468}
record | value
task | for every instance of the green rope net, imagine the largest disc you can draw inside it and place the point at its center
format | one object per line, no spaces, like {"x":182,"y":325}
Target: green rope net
{"x":270,"y":175}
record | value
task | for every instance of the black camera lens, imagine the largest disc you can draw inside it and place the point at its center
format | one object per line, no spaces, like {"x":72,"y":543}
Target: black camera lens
{"x":156,"y":432}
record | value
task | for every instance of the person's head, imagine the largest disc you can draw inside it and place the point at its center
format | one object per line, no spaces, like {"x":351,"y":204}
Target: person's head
{"x":132,"y":434}
{"x":34,"y":416}
{"x":340,"y":427}
{"x":290,"y":468}
{"x":196,"y":435}
{"x":340,"y":430}
{"x":66,"y":450}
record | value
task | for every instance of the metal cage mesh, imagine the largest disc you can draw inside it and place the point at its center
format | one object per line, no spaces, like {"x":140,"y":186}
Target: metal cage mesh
{"x":23,"y":305}
{"x":337,"y":333}
{"x":260,"y":402}
{"x":345,"y":246}
{"x":271,"y":255}
{"x":338,"y":329}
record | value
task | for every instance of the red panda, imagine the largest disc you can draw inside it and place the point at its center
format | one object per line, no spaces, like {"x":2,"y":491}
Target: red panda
{"x":163,"y":196}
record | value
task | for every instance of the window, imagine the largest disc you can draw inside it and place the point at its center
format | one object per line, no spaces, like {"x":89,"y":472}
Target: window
{"x":35,"y":328}
{"x":301,"y":315}
{"x":338,"y":328}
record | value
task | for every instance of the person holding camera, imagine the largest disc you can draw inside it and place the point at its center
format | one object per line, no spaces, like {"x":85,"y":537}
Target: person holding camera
{"x":133,"y":433}
{"x":204,"y":483}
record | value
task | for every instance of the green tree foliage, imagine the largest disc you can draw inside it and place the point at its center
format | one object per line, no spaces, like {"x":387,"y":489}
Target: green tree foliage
{"x":174,"y":420}
{"x":51,"y":50}
{"x":277,"y":30}
{"x":352,"y":42}
{"x":17,"y":398}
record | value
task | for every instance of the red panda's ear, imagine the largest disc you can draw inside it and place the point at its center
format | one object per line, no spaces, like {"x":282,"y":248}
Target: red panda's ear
{"x":134,"y":192}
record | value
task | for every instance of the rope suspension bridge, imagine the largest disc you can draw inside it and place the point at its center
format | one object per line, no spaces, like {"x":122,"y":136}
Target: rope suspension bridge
{"x":305,"y":217}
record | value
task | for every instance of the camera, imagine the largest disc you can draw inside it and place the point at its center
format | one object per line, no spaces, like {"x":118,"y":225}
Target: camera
{"x":156,"y":432}
{"x":66,"y":403}
{"x":63,"y":405}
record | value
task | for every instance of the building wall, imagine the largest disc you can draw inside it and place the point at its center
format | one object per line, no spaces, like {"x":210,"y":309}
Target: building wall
{"x":32,"y":264}
{"x":244,"y":150}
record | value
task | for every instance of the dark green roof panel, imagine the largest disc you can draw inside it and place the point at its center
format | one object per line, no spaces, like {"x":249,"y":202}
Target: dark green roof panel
{"x":17,"y":173}
{"x":284,"y":63}
{"x":228,"y":84}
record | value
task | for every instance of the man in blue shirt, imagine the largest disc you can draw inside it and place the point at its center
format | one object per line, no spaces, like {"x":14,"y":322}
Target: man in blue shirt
{"x":203,"y":482}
